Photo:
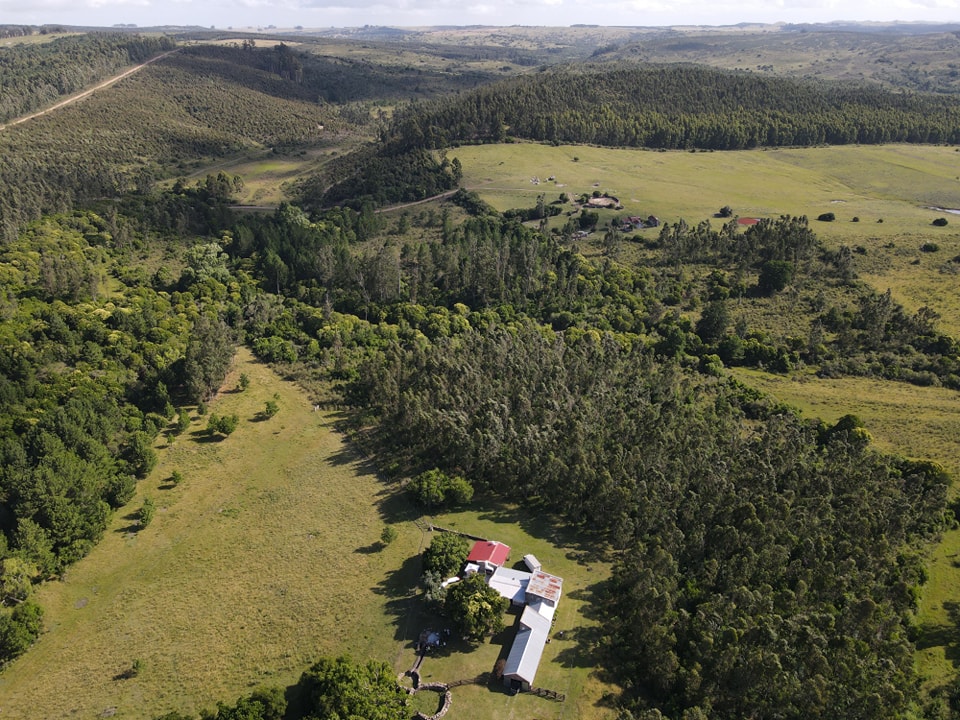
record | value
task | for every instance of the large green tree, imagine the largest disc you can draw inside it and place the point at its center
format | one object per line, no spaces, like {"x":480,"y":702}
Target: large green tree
{"x":475,"y":607}
{"x":342,"y":689}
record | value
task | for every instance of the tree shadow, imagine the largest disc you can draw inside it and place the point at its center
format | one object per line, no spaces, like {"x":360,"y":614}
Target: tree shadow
{"x":946,"y":636}
{"x":205,"y":436}
{"x":403,"y":603}
{"x":583,"y":645}
{"x":133,"y":527}
{"x":587,"y":546}
{"x":370,"y":549}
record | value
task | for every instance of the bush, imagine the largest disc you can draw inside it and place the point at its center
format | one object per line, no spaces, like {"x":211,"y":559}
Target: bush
{"x":940,"y":222}
{"x":434,"y":488}
{"x":388,"y":535}
{"x":929,"y":247}
{"x":446,"y":554}
{"x":146,"y":512}
{"x":827,"y":217}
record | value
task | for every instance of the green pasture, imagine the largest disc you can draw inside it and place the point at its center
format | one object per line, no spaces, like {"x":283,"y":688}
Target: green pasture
{"x":897,"y":184}
{"x":894,"y":183}
{"x":265,"y":557}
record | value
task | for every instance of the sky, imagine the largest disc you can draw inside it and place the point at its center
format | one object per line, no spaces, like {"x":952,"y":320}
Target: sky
{"x":239,"y":14}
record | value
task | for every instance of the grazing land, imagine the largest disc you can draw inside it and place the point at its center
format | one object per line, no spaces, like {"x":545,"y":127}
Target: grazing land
{"x":262,"y":559}
{"x":898,"y":184}
{"x":265,"y":557}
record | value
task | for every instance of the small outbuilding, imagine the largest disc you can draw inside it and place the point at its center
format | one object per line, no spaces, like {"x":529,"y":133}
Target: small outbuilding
{"x":489,"y":555}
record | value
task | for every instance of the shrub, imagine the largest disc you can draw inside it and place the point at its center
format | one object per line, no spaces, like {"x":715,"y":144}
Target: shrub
{"x":827,"y":217}
{"x":388,"y":535}
{"x":929,"y":247}
{"x":434,"y":488}
{"x":940,"y":222}
{"x":146,"y":512}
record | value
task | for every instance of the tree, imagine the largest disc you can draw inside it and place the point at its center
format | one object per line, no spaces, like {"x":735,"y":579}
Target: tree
{"x":446,"y":554}
{"x":475,"y":607}
{"x":207,"y":358}
{"x":775,"y":275}
{"x":714,"y":321}
{"x":19,"y":629}
{"x":146,"y":512}
{"x":388,"y":535}
{"x":342,"y":688}
{"x":434,"y":488}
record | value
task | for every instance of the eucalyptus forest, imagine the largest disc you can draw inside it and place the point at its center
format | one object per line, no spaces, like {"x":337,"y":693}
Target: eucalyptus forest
{"x":764,"y":563}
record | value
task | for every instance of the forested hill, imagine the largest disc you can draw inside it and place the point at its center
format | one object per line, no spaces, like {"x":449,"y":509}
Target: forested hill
{"x":677,"y":107}
{"x":34,"y":75}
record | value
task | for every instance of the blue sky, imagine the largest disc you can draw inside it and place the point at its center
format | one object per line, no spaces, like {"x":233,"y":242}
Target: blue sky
{"x":352,"y":13}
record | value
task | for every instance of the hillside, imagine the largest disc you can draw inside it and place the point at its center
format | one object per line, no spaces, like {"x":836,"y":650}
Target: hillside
{"x":572,"y":340}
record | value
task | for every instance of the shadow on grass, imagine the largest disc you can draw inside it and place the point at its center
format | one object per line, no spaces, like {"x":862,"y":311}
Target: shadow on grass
{"x":583,"y":646}
{"x":371,"y":549}
{"x":946,"y":636}
{"x":403,"y":603}
{"x":204,"y":436}
{"x":134,"y":526}
{"x":587,"y":547}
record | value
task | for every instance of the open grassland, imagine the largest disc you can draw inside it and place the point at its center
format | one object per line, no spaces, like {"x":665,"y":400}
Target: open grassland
{"x":265,"y":557}
{"x":897,"y":184}
{"x":262,"y":559}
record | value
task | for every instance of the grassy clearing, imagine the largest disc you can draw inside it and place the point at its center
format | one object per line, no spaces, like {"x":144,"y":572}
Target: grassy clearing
{"x":569,"y":664}
{"x":265,"y":557}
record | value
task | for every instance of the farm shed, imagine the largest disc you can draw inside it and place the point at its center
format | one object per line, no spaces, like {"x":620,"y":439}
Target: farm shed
{"x":511,"y":584}
{"x":488,"y":555}
{"x":532,"y":563}
{"x":527,"y":649}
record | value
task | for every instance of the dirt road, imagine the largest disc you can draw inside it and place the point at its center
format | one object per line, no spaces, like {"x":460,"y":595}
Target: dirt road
{"x":85,"y":93}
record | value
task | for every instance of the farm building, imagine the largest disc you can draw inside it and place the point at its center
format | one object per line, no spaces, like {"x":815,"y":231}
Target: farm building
{"x":531,"y":562}
{"x":511,"y":584}
{"x":543,"y":593}
{"x":488,"y":555}
{"x":527,"y":649}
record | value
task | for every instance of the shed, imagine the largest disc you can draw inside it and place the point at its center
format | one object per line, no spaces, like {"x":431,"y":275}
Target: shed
{"x":533,"y":630}
{"x":488,"y":554}
{"x":511,"y":584}
{"x":546,"y":586}
{"x":532,"y":563}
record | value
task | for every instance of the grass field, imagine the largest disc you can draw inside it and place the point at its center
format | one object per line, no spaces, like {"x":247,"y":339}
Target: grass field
{"x":894,"y":183}
{"x":264,"y":558}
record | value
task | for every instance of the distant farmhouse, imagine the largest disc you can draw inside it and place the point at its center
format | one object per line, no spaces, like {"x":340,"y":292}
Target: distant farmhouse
{"x":537,"y":592}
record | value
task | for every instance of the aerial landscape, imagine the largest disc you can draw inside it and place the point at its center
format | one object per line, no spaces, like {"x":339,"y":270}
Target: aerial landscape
{"x":388,"y":362}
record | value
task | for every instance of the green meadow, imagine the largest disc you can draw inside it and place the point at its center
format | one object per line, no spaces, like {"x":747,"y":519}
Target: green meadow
{"x":263,"y":558}
{"x":895,"y":184}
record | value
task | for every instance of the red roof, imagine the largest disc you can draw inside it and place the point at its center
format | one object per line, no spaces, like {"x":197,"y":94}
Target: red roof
{"x":488,"y":551}
{"x":747,"y":221}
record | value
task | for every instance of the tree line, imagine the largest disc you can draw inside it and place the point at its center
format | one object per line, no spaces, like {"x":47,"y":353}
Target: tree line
{"x":676,"y":107}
